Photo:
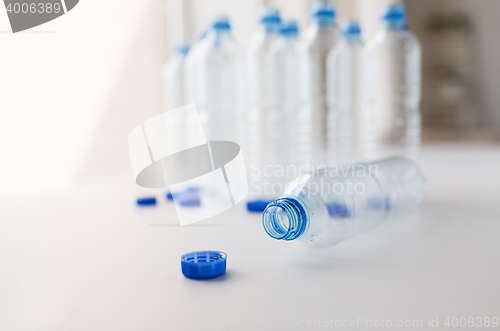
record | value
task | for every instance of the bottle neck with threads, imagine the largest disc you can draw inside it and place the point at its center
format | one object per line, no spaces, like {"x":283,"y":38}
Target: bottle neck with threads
{"x":286,"y":218}
{"x":295,"y":216}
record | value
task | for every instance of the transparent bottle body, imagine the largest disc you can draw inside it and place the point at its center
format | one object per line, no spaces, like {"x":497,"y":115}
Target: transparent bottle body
{"x":213,"y":74}
{"x":393,"y":75}
{"x":190,"y":74}
{"x":281,"y":111}
{"x":219,"y":96}
{"x":173,"y":97}
{"x":312,"y":114}
{"x":261,"y":41}
{"x":192,"y":89}
{"x":173,"y":82}
{"x":346,"y":121}
{"x":343,"y":201}
{"x":257,"y":111}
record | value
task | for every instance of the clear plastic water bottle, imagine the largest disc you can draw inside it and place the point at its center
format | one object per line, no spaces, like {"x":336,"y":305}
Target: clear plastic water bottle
{"x":220,"y":83}
{"x":279,"y":131}
{"x":191,"y":84}
{"x":323,"y":208}
{"x":393,"y":87}
{"x":173,"y":77}
{"x":257,"y":112}
{"x":267,"y":32}
{"x":173,"y":94}
{"x":317,"y":40}
{"x":344,"y":75}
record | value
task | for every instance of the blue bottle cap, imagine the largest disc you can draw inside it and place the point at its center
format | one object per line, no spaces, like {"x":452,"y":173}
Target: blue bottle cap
{"x":289,"y":28}
{"x":203,"y":264}
{"x":221,"y":22}
{"x":149,"y":201}
{"x":323,"y":12}
{"x":393,"y":12}
{"x":257,"y":205}
{"x":270,"y":15}
{"x":188,"y":199}
{"x":351,"y":29}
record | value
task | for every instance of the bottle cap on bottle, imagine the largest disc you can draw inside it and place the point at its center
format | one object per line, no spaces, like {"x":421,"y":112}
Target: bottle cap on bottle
{"x":393,"y":12}
{"x":270,"y":15}
{"x":270,"y":19}
{"x":351,"y":28}
{"x":221,"y":22}
{"x":323,"y":12}
{"x":203,"y":264}
{"x":289,"y":28}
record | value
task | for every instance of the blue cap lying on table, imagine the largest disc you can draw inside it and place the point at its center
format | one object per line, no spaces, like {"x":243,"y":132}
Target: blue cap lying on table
{"x":203,"y":264}
{"x":149,"y":201}
{"x":257,"y":205}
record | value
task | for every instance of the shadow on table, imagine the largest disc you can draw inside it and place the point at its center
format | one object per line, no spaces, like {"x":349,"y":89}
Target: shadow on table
{"x":194,"y":225}
{"x":226,"y":276}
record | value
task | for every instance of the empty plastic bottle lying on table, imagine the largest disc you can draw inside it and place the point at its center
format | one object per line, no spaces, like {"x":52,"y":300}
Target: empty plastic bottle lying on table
{"x":325,"y":207}
{"x":393,"y":70}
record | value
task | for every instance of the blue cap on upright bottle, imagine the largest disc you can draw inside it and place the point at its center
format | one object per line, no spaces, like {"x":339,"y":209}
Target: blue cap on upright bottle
{"x":270,"y":19}
{"x":394,"y":13}
{"x":351,"y":29}
{"x":289,"y":28}
{"x":221,"y":22}
{"x":323,"y":12}
{"x":182,"y":48}
{"x":203,"y":264}
{"x":270,"y":15}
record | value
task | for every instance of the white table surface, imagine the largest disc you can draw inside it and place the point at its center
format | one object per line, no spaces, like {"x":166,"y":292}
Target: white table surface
{"x":89,"y":259}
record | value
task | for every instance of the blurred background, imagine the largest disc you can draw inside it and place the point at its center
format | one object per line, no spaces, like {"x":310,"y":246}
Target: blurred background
{"x":73,"y":89}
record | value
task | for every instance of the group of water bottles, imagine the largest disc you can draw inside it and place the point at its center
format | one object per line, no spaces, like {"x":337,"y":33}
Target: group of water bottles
{"x":300,"y":104}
